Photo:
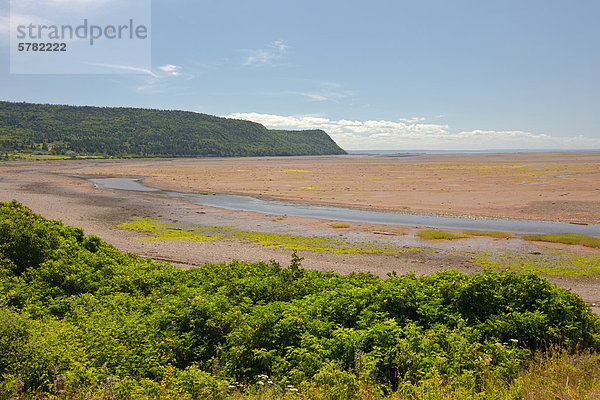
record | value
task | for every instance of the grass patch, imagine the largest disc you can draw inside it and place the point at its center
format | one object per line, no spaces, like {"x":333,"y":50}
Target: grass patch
{"x":540,"y":268}
{"x":437,"y":235}
{"x":158,"y":230}
{"x":340,"y":226}
{"x":493,"y":234}
{"x":317,"y":243}
{"x":18,"y":156}
{"x":547,"y":262}
{"x":560,"y":375}
{"x":566,"y":238}
{"x":145,"y":225}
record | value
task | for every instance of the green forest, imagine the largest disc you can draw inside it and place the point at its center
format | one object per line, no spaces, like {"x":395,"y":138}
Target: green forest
{"x":79,"y":319}
{"x":61,"y":130}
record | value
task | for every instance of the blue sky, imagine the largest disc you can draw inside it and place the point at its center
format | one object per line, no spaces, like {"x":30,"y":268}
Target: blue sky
{"x":377,"y":74}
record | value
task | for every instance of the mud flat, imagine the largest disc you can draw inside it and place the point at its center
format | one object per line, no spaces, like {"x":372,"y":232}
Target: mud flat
{"x":540,"y":186}
{"x":543,"y":186}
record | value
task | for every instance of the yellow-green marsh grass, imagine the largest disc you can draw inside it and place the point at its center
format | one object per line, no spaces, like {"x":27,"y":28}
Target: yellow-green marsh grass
{"x":340,"y":226}
{"x":45,"y":157}
{"x":547,"y":261}
{"x":437,"y":235}
{"x":566,"y":238}
{"x":493,"y":234}
{"x":158,"y":230}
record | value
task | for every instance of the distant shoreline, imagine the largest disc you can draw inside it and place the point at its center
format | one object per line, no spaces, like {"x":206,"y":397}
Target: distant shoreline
{"x":421,"y":151}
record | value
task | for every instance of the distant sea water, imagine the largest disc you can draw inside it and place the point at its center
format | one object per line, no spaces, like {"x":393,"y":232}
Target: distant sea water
{"x":420,"y":151}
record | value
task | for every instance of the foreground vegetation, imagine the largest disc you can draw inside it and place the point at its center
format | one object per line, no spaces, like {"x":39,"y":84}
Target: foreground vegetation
{"x":37,"y":131}
{"x":79,"y":319}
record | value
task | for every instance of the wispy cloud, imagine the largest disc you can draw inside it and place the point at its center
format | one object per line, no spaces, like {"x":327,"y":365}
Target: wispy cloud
{"x":267,"y":56}
{"x":171,"y":69}
{"x":324,"y":95}
{"x":4,"y":25}
{"x":127,"y":68}
{"x":16,"y":18}
{"x":80,"y":3}
{"x":68,"y":6}
{"x":416,"y":133}
{"x":160,"y":79}
{"x":314,"y":90}
{"x":157,"y":80}
{"x":310,"y":96}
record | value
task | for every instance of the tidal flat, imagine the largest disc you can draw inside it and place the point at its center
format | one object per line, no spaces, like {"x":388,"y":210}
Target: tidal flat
{"x":561,"y":187}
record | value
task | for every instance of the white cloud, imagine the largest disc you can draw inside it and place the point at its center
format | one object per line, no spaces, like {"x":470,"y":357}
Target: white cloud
{"x":154,"y":81}
{"x":4,"y":25}
{"x":127,"y":68}
{"x":415,"y":133}
{"x":323,"y":95}
{"x":315,"y":90}
{"x":311,"y":96}
{"x":275,"y":51}
{"x":170,"y":69}
{"x":14,"y":18}
{"x":80,"y":3}
{"x":66,"y":6}
{"x":159,"y":79}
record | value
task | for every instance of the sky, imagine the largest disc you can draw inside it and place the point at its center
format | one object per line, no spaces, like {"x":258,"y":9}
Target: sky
{"x":375,"y":75}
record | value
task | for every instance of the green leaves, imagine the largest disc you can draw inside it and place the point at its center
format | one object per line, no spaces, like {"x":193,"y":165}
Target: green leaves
{"x":77,"y":303}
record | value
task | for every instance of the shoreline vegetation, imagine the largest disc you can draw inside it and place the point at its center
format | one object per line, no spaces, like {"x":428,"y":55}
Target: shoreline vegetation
{"x":44,"y":131}
{"x":566,"y":238}
{"x":549,"y":261}
{"x":79,"y":319}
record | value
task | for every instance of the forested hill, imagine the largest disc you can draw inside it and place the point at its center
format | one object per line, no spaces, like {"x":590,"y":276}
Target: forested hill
{"x":135,"y":132}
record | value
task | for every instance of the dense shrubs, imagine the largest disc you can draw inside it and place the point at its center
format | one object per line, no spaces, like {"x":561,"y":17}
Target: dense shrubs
{"x":75,"y":310}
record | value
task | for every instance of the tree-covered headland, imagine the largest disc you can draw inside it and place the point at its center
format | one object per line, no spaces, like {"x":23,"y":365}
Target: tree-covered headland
{"x":60,"y":130}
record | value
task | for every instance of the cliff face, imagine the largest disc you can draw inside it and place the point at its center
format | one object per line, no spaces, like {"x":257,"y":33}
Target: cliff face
{"x":136,"y":132}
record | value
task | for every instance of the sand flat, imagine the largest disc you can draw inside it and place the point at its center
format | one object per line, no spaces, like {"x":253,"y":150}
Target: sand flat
{"x":548,"y":186}
{"x":544,"y":186}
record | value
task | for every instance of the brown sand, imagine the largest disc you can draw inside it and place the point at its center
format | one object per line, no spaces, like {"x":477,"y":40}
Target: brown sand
{"x":538,"y":186}
{"x":546,"y":186}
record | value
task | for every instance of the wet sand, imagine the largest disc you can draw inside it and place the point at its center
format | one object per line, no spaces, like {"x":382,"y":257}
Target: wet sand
{"x":553,"y":187}
{"x":544,"y":186}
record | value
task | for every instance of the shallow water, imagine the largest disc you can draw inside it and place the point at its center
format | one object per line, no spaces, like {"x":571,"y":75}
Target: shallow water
{"x":134,"y":184}
{"x":277,"y":207}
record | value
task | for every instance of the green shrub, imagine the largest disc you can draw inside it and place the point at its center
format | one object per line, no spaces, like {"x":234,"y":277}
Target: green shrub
{"x":137,"y":328}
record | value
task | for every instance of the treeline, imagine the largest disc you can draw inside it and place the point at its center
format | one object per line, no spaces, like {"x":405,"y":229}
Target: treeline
{"x":77,"y":316}
{"x":135,"y":132}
